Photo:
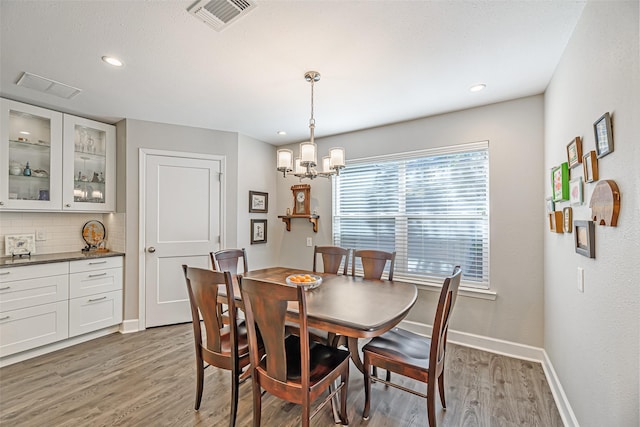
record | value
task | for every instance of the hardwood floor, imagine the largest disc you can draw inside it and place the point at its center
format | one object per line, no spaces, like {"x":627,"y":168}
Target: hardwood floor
{"x":148,"y":379}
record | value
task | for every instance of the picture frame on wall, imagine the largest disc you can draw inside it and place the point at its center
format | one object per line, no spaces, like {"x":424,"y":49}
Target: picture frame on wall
{"x":258,"y":231}
{"x":19,"y":244}
{"x":590,"y":166}
{"x":574,"y":152}
{"x":560,"y":182}
{"x":576,"y":197}
{"x":258,"y":202}
{"x":604,"y":135}
{"x":550,"y":205}
{"x":584,"y":232}
{"x":567,"y":216}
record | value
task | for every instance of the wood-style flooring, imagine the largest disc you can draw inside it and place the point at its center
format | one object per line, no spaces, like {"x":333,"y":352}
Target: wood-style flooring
{"x":148,"y":379}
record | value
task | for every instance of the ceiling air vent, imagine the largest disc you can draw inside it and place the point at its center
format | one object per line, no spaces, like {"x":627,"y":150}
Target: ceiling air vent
{"x":218,"y":14}
{"x":43,"y":84}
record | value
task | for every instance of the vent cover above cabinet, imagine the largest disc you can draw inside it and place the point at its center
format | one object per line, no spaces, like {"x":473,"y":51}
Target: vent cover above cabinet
{"x":218,"y":14}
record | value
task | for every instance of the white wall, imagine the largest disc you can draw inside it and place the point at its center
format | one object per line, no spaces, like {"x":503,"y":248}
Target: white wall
{"x":515,"y":133}
{"x":592,"y":337}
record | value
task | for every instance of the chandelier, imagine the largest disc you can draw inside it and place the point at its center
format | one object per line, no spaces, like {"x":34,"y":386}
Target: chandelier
{"x":304,"y":166}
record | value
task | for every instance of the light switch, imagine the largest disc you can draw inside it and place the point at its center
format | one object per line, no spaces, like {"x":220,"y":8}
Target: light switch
{"x":309,"y":241}
{"x":41,"y":235}
{"x":580,"y":279}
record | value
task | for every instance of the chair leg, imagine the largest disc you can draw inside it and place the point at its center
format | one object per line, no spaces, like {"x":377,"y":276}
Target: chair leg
{"x":199,"y":383}
{"x":388,"y":375}
{"x":431,"y":404}
{"x":235,"y":384}
{"x":343,"y":398}
{"x":257,"y":403}
{"x":441,"y":389}
{"x":367,"y":387}
{"x":306,"y":409}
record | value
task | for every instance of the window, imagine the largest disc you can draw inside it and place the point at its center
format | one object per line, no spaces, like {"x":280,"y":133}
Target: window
{"x":431,"y":207}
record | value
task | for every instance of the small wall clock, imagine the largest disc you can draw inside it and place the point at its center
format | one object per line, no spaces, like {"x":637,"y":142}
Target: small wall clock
{"x":301,"y":199}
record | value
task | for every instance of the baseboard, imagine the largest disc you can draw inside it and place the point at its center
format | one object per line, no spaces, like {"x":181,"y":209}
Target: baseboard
{"x":129,"y":326}
{"x":510,"y":349}
{"x":68,"y":342}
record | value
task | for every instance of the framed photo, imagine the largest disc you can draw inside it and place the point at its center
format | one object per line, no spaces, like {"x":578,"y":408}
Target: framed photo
{"x":258,"y":231}
{"x":555,"y":222}
{"x":551,"y":206}
{"x":574,"y":152}
{"x":20,"y":244}
{"x":585,"y":238}
{"x":567,"y":216}
{"x":604,"y":135}
{"x":590,"y":166}
{"x":575,"y":191}
{"x":258,"y":202}
{"x":560,"y":182}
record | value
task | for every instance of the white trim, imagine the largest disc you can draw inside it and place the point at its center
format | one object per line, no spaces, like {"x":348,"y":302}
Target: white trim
{"x":49,"y":348}
{"x":464,"y":291}
{"x":129,"y":326}
{"x":142,"y":169}
{"x":448,"y":149}
{"x":510,"y":349}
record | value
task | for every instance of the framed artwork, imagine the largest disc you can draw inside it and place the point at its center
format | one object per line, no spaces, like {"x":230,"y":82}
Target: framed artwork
{"x":567,"y":216}
{"x":258,"y":202}
{"x":585,"y":238}
{"x":575,"y":191}
{"x":604,"y":135}
{"x":20,"y":244}
{"x":574,"y":152}
{"x":590,"y":166}
{"x":560,"y":182}
{"x":555,"y":222}
{"x":258,"y":231}
{"x":551,"y":206}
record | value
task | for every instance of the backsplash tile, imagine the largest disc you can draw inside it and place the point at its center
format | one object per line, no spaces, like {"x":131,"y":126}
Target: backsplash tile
{"x":63,"y":229}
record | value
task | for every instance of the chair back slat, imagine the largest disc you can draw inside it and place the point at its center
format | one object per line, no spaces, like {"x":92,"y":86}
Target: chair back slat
{"x":448,"y":296}
{"x":373,"y":263}
{"x":332,"y":258}
{"x":227,"y":260}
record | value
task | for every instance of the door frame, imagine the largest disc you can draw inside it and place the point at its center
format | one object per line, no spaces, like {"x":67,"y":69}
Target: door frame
{"x":144,"y":153}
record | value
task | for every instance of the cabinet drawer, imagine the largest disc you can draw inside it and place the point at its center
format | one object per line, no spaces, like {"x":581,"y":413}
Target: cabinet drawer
{"x":33,"y":271}
{"x":94,"y":312}
{"x":32,"y":327}
{"x":95,"y":282}
{"x":28,"y":293}
{"x":95,"y":264}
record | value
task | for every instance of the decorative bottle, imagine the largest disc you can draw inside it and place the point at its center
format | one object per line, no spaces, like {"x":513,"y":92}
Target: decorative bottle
{"x":27,"y":170}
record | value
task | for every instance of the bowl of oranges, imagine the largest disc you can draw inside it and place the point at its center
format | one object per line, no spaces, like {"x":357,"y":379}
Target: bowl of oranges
{"x":307,"y":281}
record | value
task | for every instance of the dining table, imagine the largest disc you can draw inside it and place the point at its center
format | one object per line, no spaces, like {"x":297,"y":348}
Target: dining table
{"x":350,"y":306}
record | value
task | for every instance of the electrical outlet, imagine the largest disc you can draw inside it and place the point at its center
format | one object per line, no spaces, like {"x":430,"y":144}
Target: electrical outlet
{"x":580,"y":279}
{"x":41,"y":235}
{"x":309,"y":241}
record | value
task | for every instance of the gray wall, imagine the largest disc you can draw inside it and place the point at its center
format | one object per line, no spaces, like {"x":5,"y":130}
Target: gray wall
{"x":515,"y":133}
{"x":592,"y":337}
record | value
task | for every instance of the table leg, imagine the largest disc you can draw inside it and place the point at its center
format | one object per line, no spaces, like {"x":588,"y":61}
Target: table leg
{"x":352,"y":345}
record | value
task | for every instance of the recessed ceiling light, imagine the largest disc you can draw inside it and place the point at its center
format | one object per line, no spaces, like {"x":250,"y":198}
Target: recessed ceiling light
{"x":112,"y":61}
{"x":281,"y":132}
{"x":477,"y":88}
{"x":24,"y":132}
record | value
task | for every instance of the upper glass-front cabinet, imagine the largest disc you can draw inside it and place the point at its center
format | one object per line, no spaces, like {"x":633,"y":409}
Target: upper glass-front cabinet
{"x":30,"y":157}
{"x":51,"y":161}
{"x":89,"y":167}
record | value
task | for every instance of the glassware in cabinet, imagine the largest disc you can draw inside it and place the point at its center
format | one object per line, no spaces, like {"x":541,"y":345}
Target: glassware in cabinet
{"x":31,"y":153}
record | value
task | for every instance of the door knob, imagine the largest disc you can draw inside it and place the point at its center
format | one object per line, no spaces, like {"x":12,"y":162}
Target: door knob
{"x":151,"y":249}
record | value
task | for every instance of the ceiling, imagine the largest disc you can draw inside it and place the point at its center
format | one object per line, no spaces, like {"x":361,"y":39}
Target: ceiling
{"x":381,"y":61}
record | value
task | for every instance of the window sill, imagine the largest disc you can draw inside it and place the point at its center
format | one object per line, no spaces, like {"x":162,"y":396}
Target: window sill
{"x":485,"y":294}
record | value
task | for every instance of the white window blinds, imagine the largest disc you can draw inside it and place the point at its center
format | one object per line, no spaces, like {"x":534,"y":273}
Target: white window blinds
{"x":431,"y":207}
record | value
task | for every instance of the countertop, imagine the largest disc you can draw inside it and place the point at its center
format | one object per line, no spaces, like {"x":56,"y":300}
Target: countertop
{"x":51,"y":258}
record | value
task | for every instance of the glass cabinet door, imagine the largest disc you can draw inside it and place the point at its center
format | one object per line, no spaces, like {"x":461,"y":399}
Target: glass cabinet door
{"x":89,"y":172}
{"x":31,"y":157}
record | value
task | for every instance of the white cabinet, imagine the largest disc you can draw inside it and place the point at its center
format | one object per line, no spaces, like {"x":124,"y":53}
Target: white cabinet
{"x":33,"y":306}
{"x":31,"y":157}
{"x":95,"y":292}
{"x":52,"y":161}
{"x":45,"y":303}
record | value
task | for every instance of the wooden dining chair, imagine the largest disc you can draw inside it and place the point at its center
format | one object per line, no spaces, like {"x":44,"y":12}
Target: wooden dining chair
{"x":373,"y":263}
{"x":413,"y":355}
{"x":293,"y":369}
{"x":227,"y":260}
{"x":332,"y":257}
{"x":223,"y":346}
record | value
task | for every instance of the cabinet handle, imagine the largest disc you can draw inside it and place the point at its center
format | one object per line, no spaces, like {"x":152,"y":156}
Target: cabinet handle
{"x":97,"y":262}
{"x":1,"y":203}
{"x":97,"y":299}
{"x":98,"y":275}
{"x":5,"y":317}
{"x":68,"y":205}
{"x":4,"y":273}
{"x":5,"y":288}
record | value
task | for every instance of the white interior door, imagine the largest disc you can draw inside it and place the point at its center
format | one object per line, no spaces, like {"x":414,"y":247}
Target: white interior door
{"x":182,"y":225}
